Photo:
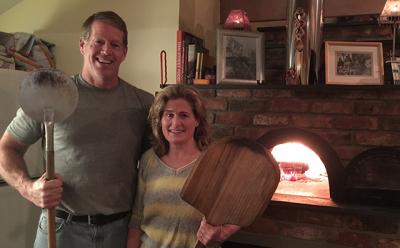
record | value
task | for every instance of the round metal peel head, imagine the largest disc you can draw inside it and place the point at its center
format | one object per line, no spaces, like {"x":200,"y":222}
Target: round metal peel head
{"x":48,"y":90}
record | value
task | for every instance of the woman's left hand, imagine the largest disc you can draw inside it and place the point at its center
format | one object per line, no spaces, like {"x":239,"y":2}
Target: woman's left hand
{"x":210,"y":235}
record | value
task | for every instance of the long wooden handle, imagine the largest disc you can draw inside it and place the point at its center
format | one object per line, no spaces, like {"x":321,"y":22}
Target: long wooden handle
{"x":50,"y":174}
{"x":51,"y":229}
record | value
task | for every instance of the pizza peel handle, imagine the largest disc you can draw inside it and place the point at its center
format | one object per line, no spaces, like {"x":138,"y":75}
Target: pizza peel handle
{"x":48,"y":96}
{"x":233,"y":182}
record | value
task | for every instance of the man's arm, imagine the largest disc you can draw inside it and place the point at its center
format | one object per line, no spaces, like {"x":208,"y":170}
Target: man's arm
{"x":134,"y":238}
{"x":42,"y":193}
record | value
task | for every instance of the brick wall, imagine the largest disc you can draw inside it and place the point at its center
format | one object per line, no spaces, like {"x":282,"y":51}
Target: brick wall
{"x":351,"y":119}
{"x":345,"y":227}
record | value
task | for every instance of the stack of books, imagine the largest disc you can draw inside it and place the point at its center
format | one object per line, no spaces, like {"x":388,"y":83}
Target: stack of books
{"x":190,"y":57}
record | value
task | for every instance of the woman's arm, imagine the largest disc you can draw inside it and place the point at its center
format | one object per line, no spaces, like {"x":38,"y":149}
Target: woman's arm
{"x":211,"y":235}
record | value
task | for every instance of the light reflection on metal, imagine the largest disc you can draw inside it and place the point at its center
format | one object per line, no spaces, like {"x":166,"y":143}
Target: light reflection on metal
{"x":304,"y":41}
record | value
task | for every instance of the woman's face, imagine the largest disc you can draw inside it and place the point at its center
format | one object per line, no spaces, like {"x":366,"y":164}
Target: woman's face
{"x":178,"y":122}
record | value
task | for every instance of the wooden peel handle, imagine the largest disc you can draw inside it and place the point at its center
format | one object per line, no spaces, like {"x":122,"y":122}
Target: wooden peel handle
{"x":50,"y":174}
{"x":50,"y":211}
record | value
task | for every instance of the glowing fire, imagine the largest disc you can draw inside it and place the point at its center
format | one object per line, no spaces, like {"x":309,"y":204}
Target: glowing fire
{"x":302,"y":171}
{"x":301,"y":155}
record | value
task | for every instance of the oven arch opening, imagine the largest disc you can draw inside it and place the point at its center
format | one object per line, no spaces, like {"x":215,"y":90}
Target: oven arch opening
{"x":333,"y":165}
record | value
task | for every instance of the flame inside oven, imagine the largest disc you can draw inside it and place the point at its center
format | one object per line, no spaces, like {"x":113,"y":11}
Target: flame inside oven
{"x":302,"y":171}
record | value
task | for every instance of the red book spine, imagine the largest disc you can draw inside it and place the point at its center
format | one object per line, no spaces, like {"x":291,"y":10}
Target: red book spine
{"x":179,"y":56}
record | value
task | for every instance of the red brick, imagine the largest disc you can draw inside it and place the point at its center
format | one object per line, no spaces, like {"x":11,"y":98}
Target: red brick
{"x":231,"y":118}
{"x":332,"y":107}
{"x":377,"y":108}
{"x":312,"y":121}
{"x":264,"y":226}
{"x":322,"y":219}
{"x":378,"y":138}
{"x":368,"y":107}
{"x":250,"y":132}
{"x":234,"y":93}
{"x":390,"y":124}
{"x":248,"y":105}
{"x":275,"y":93}
{"x":355,"y":122}
{"x":388,"y":243}
{"x":221,"y":131}
{"x":289,"y":105}
{"x":271,"y":120}
{"x":207,"y":93}
{"x":334,"y":137}
{"x":348,"y":152}
{"x":353,"y":239}
{"x":303,"y":232}
{"x":210,"y":118}
{"x":215,"y":104}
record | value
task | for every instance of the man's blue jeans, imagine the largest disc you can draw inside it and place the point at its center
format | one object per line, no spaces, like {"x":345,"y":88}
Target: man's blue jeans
{"x":71,"y":234}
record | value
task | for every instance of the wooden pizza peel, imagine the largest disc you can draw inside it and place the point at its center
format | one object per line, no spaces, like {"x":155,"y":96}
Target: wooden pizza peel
{"x":232,"y":183}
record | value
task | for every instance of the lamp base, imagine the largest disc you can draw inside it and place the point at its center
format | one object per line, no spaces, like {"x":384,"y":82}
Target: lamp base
{"x":395,"y":65}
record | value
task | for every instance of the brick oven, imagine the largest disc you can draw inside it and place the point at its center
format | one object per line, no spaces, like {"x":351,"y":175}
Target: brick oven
{"x":355,"y":131}
{"x":341,"y":124}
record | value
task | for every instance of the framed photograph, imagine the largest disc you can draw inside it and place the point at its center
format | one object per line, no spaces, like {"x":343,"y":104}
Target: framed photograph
{"x":240,"y":56}
{"x":353,"y":63}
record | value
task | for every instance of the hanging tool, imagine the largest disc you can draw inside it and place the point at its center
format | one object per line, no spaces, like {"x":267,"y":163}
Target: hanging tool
{"x":163,"y":64}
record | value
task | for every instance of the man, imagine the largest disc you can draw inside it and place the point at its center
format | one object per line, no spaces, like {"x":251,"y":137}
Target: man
{"x":96,"y":148}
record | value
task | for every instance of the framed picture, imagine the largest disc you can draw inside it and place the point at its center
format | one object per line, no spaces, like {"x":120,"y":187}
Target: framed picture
{"x":353,"y":63}
{"x":240,"y":56}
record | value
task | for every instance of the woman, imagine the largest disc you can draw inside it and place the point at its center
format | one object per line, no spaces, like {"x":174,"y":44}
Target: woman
{"x":160,"y":218}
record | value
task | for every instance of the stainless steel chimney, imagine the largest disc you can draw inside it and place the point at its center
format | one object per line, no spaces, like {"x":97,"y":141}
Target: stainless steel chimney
{"x":304,"y":32}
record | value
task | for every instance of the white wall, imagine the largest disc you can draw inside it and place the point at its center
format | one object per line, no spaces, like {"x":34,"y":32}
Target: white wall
{"x":18,"y":220}
{"x":152,"y":26}
{"x":201,"y":18}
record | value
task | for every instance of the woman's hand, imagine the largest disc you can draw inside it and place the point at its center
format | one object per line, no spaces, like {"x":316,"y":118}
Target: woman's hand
{"x":210,"y":235}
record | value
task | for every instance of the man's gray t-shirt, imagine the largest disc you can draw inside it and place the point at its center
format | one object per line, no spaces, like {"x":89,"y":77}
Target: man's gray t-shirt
{"x":96,"y":148}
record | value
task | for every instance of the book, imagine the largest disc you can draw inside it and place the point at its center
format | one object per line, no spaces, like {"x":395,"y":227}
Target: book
{"x":191,"y":63}
{"x":187,"y":45}
{"x":179,"y":54}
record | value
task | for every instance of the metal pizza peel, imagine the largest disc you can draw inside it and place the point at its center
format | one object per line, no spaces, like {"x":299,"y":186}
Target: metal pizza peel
{"x":48,"y":96}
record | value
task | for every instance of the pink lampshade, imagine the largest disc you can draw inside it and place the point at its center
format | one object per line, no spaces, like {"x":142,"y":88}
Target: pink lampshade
{"x":237,"y":19}
{"x":391,"y":11}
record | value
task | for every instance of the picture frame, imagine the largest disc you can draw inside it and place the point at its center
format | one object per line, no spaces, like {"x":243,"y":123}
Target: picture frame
{"x":240,"y":57}
{"x":353,"y":63}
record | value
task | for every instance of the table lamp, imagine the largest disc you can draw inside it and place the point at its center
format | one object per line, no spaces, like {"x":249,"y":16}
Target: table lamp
{"x":391,"y":15}
{"x":237,"y":19}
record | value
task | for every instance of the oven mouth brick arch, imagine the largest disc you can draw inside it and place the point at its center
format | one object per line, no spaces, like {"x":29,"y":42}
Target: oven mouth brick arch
{"x":332,"y":162}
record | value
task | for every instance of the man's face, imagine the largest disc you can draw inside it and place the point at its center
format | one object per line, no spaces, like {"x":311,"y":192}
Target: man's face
{"x":103,"y":52}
